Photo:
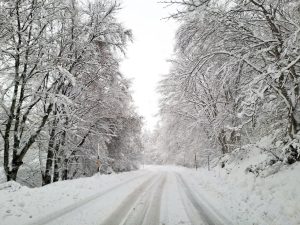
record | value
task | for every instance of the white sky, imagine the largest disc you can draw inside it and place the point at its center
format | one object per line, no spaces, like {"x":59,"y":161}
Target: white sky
{"x":146,"y":57}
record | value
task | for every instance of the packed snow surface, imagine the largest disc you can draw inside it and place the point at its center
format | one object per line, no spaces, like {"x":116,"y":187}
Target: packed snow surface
{"x":155,"y":195}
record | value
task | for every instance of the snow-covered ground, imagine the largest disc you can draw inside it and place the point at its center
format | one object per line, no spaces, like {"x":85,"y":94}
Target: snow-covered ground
{"x":22,"y":205}
{"x":166,"y":195}
{"x":248,"y":199}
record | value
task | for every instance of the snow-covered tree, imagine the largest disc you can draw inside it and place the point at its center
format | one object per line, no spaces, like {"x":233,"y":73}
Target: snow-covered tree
{"x":62,"y":94}
{"x":235,"y":72}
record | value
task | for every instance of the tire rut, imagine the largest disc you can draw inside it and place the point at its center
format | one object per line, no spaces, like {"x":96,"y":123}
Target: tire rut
{"x":198,"y":211}
{"x":147,"y":208}
{"x":120,"y":215}
{"x":64,"y":211}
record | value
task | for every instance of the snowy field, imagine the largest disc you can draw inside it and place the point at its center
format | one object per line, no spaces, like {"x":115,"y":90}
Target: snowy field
{"x":155,"y":195}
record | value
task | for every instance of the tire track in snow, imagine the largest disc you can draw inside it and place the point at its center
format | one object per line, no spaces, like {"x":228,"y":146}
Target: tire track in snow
{"x":194,"y":216}
{"x":198,"y":209}
{"x":173,"y":210}
{"x":47,"y":218}
{"x":119,"y":215}
{"x":147,"y":209}
{"x":140,"y":207}
{"x":153,"y":212}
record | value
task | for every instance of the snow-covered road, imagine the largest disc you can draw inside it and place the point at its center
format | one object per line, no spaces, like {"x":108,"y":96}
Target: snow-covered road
{"x":164,"y":198}
{"x":158,"y":195}
{"x":152,"y":196}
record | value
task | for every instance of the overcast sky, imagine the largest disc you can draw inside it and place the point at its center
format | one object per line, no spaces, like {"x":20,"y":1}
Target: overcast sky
{"x":146,"y":57}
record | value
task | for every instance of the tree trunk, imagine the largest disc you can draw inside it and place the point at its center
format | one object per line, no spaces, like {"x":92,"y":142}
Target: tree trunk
{"x":294,"y":125}
{"x":57,"y":162}
{"x":50,"y":155}
{"x":47,"y":176}
{"x":56,"y":169}
{"x":222,"y":141}
{"x":15,"y":165}
{"x":64,"y":175}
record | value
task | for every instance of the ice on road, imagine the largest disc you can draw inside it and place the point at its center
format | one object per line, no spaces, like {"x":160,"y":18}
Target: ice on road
{"x":151,"y":196}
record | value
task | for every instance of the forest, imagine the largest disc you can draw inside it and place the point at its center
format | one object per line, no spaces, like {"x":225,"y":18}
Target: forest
{"x":233,"y":84}
{"x":65,"y":109}
{"x":213,"y":140}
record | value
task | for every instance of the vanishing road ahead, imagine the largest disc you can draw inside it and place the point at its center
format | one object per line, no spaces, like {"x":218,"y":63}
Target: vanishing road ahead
{"x":156,"y":197}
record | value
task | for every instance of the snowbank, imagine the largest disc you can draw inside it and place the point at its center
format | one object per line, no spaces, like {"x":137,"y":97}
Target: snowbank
{"x":269,"y":198}
{"x":245,"y":198}
{"x":10,"y":186}
{"x":23,"y":205}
